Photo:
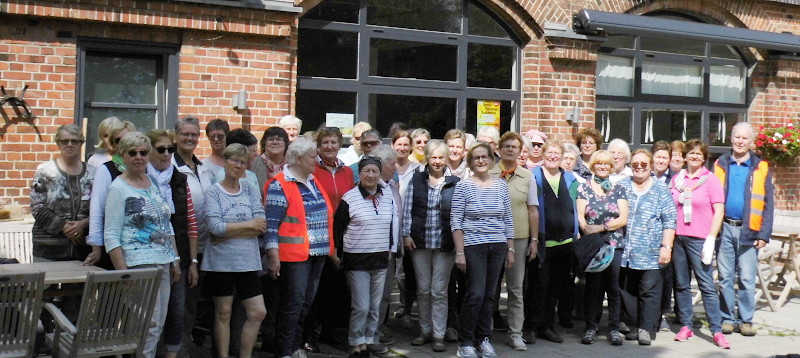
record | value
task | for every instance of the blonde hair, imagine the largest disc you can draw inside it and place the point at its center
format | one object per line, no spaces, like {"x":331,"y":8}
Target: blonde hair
{"x":601,"y":156}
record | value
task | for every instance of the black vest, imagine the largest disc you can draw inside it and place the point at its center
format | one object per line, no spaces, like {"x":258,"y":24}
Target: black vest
{"x":179,"y":221}
{"x":112,"y":168}
{"x":559,"y":214}
{"x":419,"y":209}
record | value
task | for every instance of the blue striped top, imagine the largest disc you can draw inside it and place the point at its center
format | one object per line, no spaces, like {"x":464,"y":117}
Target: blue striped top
{"x":484,"y":214}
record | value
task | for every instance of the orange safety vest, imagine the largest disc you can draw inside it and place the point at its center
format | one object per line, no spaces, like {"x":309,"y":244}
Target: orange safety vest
{"x":293,"y":242}
{"x":759,"y":191}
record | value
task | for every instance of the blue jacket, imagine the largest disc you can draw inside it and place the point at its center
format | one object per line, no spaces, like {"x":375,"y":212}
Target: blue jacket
{"x":749,"y":236}
{"x":572,"y":184}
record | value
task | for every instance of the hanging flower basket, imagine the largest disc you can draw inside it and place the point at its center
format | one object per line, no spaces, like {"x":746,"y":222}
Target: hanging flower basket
{"x":778,"y":143}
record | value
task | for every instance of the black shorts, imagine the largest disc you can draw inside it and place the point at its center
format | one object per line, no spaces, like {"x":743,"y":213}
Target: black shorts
{"x":221,"y":284}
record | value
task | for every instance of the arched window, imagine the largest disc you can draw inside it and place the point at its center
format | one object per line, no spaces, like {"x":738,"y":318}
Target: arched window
{"x":651,"y":89}
{"x":426,"y":63}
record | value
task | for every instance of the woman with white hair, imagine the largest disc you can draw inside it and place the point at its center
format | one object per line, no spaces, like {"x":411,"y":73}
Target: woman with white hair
{"x":622,"y":156}
{"x":298,"y":239}
{"x":419,"y":138}
{"x":570,"y":159}
{"x":291,"y":125}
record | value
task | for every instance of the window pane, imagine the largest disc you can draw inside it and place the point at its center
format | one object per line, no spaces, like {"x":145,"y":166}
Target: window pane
{"x":671,"y":79}
{"x":506,"y":114}
{"x":727,"y":84}
{"x":659,"y":124}
{"x":433,"y":15}
{"x":312,"y":106}
{"x":144,"y":119}
{"x":406,"y":59}
{"x":114,"y":79}
{"x":335,"y":10}
{"x":331,"y":54}
{"x":483,"y":24}
{"x":490,"y":66}
{"x":614,"y":76}
{"x":437,"y":115}
{"x":684,"y":46}
{"x":614,"y":123}
{"x":720,"y":127}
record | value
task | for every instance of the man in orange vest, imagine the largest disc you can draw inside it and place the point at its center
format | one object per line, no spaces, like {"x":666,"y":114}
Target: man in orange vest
{"x":746,"y":228}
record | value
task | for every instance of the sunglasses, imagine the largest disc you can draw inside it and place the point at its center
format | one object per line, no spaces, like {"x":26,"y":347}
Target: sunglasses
{"x":161,"y":150}
{"x":70,"y":142}
{"x":640,"y":165}
{"x":371,"y":143}
{"x":142,"y":153}
{"x":537,"y":145}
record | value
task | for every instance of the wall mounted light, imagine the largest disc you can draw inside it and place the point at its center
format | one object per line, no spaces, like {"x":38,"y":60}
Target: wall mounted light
{"x":573,"y":115}
{"x":240,"y":100}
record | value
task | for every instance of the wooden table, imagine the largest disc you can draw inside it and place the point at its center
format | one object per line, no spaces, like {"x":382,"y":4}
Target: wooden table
{"x":790,"y":273}
{"x":56,"y":271}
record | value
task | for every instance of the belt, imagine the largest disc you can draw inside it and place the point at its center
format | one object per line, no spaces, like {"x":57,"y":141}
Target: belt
{"x":733,"y":222}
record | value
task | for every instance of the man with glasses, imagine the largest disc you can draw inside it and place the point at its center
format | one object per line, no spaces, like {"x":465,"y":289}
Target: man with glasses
{"x":369,"y":141}
{"x":353,"y":154}
{"x":747,"y":226}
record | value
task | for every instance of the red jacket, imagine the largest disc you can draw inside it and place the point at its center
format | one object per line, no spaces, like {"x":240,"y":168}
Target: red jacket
{"x":335,"y":185}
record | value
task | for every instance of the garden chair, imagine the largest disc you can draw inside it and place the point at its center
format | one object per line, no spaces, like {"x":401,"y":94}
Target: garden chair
{"x":20,"y":306}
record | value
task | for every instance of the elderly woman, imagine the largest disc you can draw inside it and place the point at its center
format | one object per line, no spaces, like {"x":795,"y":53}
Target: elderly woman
{"x":558,"y":228}
{"x":137,"y":227}
{"x":570,"y":159}
{"x":524,"y":202}
{"x":270,"y":162}
{"x":235,"y":219}
{"x":103,"y":147}
{"x":103,"y":177}
{"x":175,"y":191}
{"x":648,"y":246}
{"x":589,"y":141}
{"x":419,"y":138}
{"x":299,"y":238}
{"x":603,"y":208}
{"x":216,"y":132}
{"x":700,"y":202}
{"x":291,"y":125}
{"x":429,"y":241}
{"x":483,"y":236}
{"x":363,"y":228}
{"x":535,"y":152}
{"x":677,"y":161}
{"x":60,"y":201}
{"x":662,"y":155}
{"x":622,"y":156}
{"x":456,"y":140}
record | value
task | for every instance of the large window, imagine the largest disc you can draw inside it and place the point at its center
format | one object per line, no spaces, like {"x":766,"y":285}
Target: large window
{"x":133,"y":81}
{"x":426,"y":63}
{"x":651,"y":89}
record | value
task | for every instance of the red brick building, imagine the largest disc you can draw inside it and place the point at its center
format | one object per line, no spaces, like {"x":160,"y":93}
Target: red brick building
{"x":427,"y":63}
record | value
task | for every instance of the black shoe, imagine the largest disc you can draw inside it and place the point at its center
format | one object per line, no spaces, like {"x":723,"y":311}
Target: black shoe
{"x":311,"y":346}
{"x":623,"y":328}
{"x":400,"y":312}
{"x":632,"y":335}
{"x":551,"y":336}
{"x":500,"y":323}
{"x":566,"y":323}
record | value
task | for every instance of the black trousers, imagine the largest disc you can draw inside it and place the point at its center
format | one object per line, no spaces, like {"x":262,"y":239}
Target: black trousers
{"x":598,"y":285}
{"x":551,"y":277}
{"x":640,"y":293}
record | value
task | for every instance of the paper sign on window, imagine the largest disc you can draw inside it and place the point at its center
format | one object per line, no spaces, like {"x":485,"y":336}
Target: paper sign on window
{"x":489,"y":114}
{"x":344,"y":121}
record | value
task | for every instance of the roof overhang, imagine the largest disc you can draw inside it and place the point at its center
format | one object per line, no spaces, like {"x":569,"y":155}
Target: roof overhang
{"x":600,"y":22}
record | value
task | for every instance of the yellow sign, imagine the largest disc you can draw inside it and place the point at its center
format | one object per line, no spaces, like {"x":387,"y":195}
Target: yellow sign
{"x":489,"y":114}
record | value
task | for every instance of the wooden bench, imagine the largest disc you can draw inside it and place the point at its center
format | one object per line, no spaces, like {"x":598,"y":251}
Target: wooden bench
{"x":16,"y":241}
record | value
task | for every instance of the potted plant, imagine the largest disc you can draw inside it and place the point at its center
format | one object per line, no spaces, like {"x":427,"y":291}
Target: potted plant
{"x":778,"y":144}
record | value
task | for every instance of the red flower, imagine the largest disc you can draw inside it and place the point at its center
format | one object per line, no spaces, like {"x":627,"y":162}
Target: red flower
{"x":759,"y":143}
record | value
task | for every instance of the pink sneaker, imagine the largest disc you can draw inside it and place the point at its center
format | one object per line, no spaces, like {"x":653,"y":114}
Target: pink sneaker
{"x":720,"y":341}
{"x":685,"y":333}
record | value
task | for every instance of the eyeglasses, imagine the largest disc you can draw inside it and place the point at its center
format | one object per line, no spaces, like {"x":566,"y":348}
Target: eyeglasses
{"x":275,"y":140}
{"x":70,"y":142}
{"x":236,"y":162}
{"x":640,"y":165}
{"x":537,"y":145}
{"x":421,"y":141}
{"x":483,"y":158}
{"x":189,"y":135}
{"x":161,"y":150}
{"x":216,"y":137}
{"x":370,"y":143}
{"x":141,"y":153}
{"x":603,"y":165}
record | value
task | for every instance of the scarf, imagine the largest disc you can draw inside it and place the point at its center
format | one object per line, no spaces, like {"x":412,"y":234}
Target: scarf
{"x":117,"y":159}
{"x":605,"y":183}
{"x":162,"y":182}
{"x":330,"y":163}
{"x":507,"y":174}
{"x":685,"y":197}
{"x":419,"y":157}
{"x":272,"y":168}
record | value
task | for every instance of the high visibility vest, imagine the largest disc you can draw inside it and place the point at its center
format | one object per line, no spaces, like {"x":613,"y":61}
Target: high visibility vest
{"x":759,"y":190}
{"x":293,"y":242}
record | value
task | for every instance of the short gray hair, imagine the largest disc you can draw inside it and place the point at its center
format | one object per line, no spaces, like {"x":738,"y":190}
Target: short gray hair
{"x":621,"y":144}
{"x":434,"y":145}
{"x":289,"y":120}
{"x":385,"y":152}
{"x":570,"y":147}
{"x":70,"y":129}
{"x":745,"y":126}
{"x":132,"y":140}
{"x":236,"y":151}
{"x":298,"y":148}
{"x":187,"y":120}
{"x":420,"y":131}
{"x":490,"y":132}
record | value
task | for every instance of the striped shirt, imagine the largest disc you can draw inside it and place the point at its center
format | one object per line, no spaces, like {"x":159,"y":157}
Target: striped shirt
{"x":484,"y":214}
{"x":235,"y":254}
{"x":433,"y":216}
{"x":369,"y":227}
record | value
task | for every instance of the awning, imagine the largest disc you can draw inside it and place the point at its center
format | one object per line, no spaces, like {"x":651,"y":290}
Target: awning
{"x":594,"y":22}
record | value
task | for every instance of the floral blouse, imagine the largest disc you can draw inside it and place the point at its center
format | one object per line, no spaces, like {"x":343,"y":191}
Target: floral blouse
{"x":602,"y":208}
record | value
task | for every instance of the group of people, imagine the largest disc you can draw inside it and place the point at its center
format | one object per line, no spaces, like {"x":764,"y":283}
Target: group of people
{"x":294,"y":237}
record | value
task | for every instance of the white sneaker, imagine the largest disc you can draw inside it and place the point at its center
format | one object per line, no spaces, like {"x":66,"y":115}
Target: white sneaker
{"x":467,"y":352}
{"x":487,"y":349}
{"x":517,"y":342}
{"x":300,"y":353}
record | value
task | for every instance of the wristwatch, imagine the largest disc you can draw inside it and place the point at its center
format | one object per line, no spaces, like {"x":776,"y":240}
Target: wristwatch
{"x":512,"y":250}
{"x":666,"y":247}
{"x":195,"y":261}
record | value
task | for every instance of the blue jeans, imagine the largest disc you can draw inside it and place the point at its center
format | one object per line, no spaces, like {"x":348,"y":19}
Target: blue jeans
{"x":734,"y":258}
{"x":297,"y":284}
{"x":687,"y":257}
{"x":176,"y":313}
{"x":484,"y":262}
{"x":366,"y":292}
